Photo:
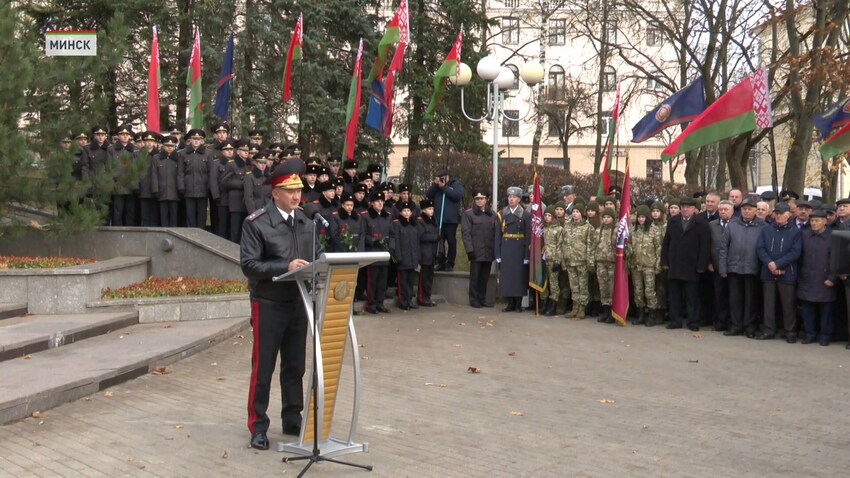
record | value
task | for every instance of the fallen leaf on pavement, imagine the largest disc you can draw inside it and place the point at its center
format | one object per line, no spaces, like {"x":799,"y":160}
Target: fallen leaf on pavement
{"x":27,"y":357}
{"x":240,"y":336}
{"x":178,"y":426}
{"x":440,"y":385}
{"x":473,"y":370}
{"x":161,"y":370}
{"x":219,"y":378}
{"x":517,"y":414}
{"x":224,"y":455}
{"x":214,"y":364}
{"x":107,"y":394}
{"x":166,"y":326}
{"x":511,"y":354}
{"x":457,"y":345}
{"x":606,"y":401}
{"x":37,"y":414}
{"x":693,"y":361}
{"x":696,"y":335}
{"x":169,"y":438}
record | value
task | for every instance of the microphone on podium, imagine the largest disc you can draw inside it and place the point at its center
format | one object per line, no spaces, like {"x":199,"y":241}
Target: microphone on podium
{"x":312,"y":211}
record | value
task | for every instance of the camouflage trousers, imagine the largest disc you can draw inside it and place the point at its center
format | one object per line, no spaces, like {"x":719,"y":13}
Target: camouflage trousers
{"x":564,"y":284}
{"x":605,"y":277}
{"x":644,"y":285}
{"x":553,"y":291}
{"x":578,"y":284}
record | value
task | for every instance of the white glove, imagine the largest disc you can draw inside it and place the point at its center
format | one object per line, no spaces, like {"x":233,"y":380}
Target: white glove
{"x":544,"y":256}
{"x":525,"y":261}
{"x":498,"y":260}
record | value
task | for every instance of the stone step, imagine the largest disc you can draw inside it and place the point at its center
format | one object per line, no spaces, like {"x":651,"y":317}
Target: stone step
{"x":55,"y":376}
{"x":29,"y":334}
{"x":13,"y":309}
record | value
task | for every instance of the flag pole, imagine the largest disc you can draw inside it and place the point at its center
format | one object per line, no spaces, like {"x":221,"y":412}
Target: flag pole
{"x":300,"y":98}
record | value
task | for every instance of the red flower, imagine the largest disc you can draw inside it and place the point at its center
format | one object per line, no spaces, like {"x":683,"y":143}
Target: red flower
{"x":322,"y":231}
{"x":376,"y":235}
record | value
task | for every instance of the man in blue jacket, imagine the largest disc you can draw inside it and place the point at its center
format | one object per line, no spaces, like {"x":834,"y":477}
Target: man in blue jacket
{"x":447,"y":194}
{"x":778,"y":249}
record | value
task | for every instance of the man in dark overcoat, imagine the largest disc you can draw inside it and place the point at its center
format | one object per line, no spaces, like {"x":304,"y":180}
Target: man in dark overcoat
{"x":685,"y":254}
{"x":478,"y":226}
{"x":513,"y":237}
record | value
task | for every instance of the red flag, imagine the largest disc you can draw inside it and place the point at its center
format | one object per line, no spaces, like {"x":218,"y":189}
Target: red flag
{"x":536,"y":276}
{"x":193,"y":81}
{"x":620,"y":299}
{"x":153,"y":86}
{"x":612,"y":133}
{"x":353,"y":109}
{"x":293,"y":53}
{"x":395,"y":66}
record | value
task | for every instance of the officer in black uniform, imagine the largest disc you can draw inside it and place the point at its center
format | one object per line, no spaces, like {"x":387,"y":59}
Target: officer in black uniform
{"x":196,"y":177}
{"x":346,"y":227}
{"x":309,"y":193}
{"x":233,"y":181}
{"x":148,"y":203}
{"x":404,"y":247}
{"x":276,"y":239}
{"x":257,"y":192}
{"x":349,"y":168}
{"x":376,"y":229}
{"x":164,"y":182}
{"x":479,"y":226}
{"x":121,"y":155}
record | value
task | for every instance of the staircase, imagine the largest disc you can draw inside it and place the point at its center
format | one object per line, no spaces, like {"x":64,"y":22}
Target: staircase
{"x":47,"y":360}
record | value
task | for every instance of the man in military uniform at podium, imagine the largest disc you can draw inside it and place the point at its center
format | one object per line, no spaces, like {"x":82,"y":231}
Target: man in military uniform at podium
{"x":276,"y":239}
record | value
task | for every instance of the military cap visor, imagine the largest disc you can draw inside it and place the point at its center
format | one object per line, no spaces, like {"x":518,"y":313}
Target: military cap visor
{"x":81,"y":135}
{"x":169,"y":141}
{"x":287,"y":175}
{"x":196,"y":134}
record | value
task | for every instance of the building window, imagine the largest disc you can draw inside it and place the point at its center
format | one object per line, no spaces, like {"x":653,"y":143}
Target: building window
{"x":610,"y":31}
{"x":515,"y":71}
{"x":556,"y":125}
{"x":554,"y":162}
{"x":558,"y":32}
{"x":517,"y":161}
{"x":609,"y":79}
{"x":510,"y":31}
{"x":653,"y":82}
{"x":511,"y":3}
{"x":556,"y":88}
{"x":654,"y":169}
{"x":654,"y":36}
{"x":605,"y":120}
{"x":510,"y":127}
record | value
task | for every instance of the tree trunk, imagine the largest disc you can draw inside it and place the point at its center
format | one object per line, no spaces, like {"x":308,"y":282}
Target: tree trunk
{"x":737,"y":157}
{"x":693,"y":166}
{"x":603,"y":57}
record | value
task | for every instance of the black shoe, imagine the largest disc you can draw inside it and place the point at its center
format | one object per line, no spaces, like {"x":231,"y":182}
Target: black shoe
{"x":292,"y":429}
{"x":426,"y":303}
{"x":808,"y":340}
{"x":824,"y":342}
{"x":512,"y":306}
{"x":475,"y":305}
{"x":439,"y":267}
{"x":413,"y":305}
{"x":359,"y":297}
{"x":671,"y":326}
{"x":791,"y":339}
{"x":693,"y":328}
{"x":485,"y":304}
{"x":370,"y":310}
{"x":732,"y":333}
{"x":847,"y":346}
{"x":260,"y":441}
{"x":448,"y":268}
{"x":403,"y":306}
{"x":720,"y":328}
{"x":765,"y":337}
{"x":751,"y":334}
{"x":382,"y":309}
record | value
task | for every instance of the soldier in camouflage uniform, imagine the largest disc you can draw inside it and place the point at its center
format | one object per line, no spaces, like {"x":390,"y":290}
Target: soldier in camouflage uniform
{"x":563,"y":279}
{"x":659,"y":223}
{"x":591,"y":214}
{"x":552,"y":239}
{"x":577,"y":252}
{"x":605,"y":244}
{"x":645,"y":248}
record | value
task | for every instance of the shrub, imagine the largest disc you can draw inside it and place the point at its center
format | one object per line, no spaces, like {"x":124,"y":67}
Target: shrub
{"x":16,"y":262}
{"x":176,"y":286}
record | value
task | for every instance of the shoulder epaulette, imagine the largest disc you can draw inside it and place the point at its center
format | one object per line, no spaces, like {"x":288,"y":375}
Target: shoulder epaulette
{"x":259,"y":212}
{"x":335,"y":213}
{"x":365,"y":211}
{"x":395,"y":220}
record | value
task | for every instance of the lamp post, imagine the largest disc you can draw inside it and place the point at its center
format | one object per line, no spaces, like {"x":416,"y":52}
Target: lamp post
{"x":499,"y":79}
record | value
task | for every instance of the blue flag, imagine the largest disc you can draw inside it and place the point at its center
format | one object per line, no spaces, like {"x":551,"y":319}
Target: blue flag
{"x":377,"y":113}
{"x":835,"y":116}
{"x":685,"y":105}
{"x":222,"y":91}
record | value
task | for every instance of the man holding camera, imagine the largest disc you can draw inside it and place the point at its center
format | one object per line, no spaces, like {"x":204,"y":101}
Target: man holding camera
{"x":447,"y":193}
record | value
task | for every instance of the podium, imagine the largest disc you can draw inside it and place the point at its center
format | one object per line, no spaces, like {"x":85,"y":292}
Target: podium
{"x":332,"y":323}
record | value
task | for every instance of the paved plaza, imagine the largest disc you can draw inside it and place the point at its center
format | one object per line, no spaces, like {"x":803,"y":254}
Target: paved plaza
{"x":553,"y":397}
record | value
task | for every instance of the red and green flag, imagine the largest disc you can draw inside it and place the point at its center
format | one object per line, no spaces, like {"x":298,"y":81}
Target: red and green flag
{"x":193,"y":81}
{"x":838,"y":143}
{"x":620,"y":290}
{"x":740,"y":110}
{"x":352,"y":114}
{"x":449,"y":68}
{"x":154,"y":83}
{"x":293,"y":53}
{"x":397,"y":32}
{"x":536,"y":272}
{"x":605,"y":181}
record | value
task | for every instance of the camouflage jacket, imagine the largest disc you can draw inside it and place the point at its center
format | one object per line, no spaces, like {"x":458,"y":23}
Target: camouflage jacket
{"x":552,"y":239}
{"x":645,"y":246}
{"x":605,"y":242}
{"x":577,"y":243}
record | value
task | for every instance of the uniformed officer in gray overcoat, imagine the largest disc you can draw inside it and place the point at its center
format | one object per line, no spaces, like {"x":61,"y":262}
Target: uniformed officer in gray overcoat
{"x":513,"y":237}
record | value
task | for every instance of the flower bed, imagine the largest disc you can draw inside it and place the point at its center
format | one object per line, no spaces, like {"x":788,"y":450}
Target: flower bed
{"x":20,"y":262}
{"x":176,"y":286}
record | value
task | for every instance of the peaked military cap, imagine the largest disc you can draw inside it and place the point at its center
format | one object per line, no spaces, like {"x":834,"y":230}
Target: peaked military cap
{"x":227,"y":144}
{"x":196,"y":133}
{"x":242,"y":144}
{"x":276,"y":147}
{"x":479,"y":193}
{"x":255,"y":134}
{"x":287,"y":175}
{"x":81,"y":135}
{"x":221,"y":126}
{"x":333,"y":160}
{"x":426,"y":203}
{"x":349,"y":164}
{"x":99,"y":129}
{"x":124,"y":129}
{"x":170,"y":141}
{"x":151,"y":136}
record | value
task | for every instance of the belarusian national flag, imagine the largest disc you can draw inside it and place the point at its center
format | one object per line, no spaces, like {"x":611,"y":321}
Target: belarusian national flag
{"x":450,"y":67}
{"x":293,"y":53}
{"x":396,"y":32}
{"x":536,"y":273}
{"x":742,"y":109}
{"x":395,"y":67}
{"x":193,"y":81}
{"x":837,"y":143}
{"x":153,"y":86}
{"x":620,"y":290}
{"x":352,"y":114}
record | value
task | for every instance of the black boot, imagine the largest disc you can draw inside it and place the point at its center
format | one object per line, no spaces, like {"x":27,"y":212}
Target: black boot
{"x":650,"y":317}
{"x":510,"y":306}
{"x":606,"y":313}
{"x":602,"y":318}
{"x":588,"y":309}
{"x":641,"y":317}
{"x":518,"y":306}
{"x":551,"y":305}
{"x":531,"y":302}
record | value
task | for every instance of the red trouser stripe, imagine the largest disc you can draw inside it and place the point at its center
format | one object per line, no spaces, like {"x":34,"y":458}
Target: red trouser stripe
{"x":255,"y":359}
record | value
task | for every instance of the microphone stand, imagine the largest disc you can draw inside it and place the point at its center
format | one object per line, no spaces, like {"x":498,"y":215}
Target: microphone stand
{"x":315,"y":457}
